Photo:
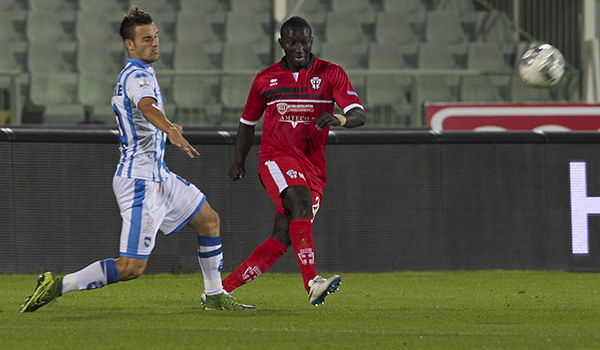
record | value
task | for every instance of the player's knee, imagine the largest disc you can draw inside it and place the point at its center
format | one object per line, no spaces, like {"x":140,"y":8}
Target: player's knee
{"x":207,"y":222}
{"x":298,"y":201}
{"x":282,"y":237}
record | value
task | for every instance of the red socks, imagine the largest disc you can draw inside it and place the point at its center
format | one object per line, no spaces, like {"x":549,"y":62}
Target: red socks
{"x":302,"y":241}
{"x":261,"y":259}
{"x":266,"y":254}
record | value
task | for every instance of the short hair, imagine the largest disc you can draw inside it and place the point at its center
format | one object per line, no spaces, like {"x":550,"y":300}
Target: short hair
{"x":294,"y":22}
{"x":135,"y":17}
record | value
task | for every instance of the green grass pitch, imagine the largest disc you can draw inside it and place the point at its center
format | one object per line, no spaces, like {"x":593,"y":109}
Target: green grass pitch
{"x":404,"y":310}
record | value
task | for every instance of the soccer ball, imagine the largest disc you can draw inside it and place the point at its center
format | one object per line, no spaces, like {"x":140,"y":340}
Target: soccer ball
{"x":541,"y":66}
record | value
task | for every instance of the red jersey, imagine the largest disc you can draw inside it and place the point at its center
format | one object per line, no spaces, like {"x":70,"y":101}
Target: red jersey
{"x":291,"y":102}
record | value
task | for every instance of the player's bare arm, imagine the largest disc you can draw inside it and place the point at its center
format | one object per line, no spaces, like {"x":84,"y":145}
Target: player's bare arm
{"x":174,"y":132}
{"x":243,"y":143}
{"x":353,"y":118}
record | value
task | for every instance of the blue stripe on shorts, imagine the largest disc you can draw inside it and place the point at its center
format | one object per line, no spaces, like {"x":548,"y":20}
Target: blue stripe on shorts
{"x":136,"y":216}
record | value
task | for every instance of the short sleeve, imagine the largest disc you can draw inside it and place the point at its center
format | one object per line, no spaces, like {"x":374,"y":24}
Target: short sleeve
{"x":344,"y":94}
{"x":139,"y":85}
{"x":255,"y":104}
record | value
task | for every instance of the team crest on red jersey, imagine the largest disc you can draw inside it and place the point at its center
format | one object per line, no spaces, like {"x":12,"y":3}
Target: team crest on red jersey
{"x":315,"y":82}
{"x":282,"y":108}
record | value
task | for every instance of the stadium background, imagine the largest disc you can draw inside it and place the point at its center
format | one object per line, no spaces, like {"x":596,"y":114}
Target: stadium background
{"x":67,"y":53}
{"x":399,"y":199}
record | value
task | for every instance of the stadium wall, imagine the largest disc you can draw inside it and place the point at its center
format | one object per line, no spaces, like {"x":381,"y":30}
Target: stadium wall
{"x":395,"y":200}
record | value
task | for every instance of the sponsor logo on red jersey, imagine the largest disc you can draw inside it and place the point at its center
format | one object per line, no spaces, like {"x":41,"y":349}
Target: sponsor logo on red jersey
{"x":284,"y":108}
{"x":295,"y":120}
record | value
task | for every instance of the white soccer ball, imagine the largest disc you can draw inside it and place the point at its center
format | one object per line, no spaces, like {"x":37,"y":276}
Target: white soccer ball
{"x":541,"y":66}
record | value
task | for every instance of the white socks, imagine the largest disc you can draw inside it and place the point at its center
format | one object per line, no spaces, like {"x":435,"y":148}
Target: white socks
{"x":95,"y":275}
{"x":210,"y":257}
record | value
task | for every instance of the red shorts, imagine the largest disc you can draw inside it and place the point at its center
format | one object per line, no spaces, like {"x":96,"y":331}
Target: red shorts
{"x":280,"y":173}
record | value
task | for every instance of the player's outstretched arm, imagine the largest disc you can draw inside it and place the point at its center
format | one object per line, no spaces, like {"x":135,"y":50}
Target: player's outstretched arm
{"x":159,"y":119}
{"x":243,"y":143}
{"x":352,"y":119}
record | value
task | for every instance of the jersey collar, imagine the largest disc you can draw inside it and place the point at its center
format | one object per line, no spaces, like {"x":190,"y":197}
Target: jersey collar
{"x":137,"y":62}
{"x":284,"y":64}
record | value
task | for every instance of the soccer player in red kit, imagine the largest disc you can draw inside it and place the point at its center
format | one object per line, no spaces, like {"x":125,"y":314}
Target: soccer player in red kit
{"x":297,"y":97}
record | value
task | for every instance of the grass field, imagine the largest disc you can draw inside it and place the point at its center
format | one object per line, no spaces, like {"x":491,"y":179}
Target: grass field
{"x":405,"y":310}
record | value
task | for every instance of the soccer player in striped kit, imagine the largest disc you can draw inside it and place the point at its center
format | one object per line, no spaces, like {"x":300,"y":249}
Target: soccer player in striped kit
{"x":149,"y":195}
{"x":297,"y":97}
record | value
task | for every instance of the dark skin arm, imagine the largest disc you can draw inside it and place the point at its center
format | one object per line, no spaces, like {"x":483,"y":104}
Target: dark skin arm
{"x":243,"y":143}
{"x":354,"y":118}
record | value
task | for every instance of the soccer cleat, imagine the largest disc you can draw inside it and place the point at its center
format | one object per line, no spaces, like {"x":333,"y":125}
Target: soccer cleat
{"x":223,"y":301}
{"x":48,"y":288}
{"x":321,"y":287}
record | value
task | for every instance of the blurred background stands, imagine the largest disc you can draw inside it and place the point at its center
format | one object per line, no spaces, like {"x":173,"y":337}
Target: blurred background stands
{"x":398,"y":55}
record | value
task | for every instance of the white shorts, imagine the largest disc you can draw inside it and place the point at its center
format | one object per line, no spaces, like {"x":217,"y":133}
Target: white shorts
{"x":147,"y":206}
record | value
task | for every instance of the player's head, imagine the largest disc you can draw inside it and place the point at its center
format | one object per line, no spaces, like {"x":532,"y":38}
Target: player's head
{"x":140,"y":36}
{"x":296,"y":41}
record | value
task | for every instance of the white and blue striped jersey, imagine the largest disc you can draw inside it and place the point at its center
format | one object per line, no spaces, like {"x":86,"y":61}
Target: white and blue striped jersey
{"x":142,"y":144}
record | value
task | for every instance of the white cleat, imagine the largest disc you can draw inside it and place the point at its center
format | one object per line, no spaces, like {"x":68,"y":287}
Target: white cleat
{"x":321,"y":287}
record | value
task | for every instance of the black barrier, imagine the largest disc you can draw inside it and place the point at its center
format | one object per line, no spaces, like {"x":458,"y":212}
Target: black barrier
{"x":395,"y":200}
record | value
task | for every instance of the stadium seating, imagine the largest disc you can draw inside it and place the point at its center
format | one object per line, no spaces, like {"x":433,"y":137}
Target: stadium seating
{"x":459,"y":6}
{"x":488,"y":57}
{"x":441,"y":88}
{"x":86,"y":49}
{"x":199,"y":29}
{"x":354,"y":57}
{"x":349,"y":57}
{"x":444,"y":27}
{"x":53,"y":6}
{"x":94,"y":92}
{"x":389,"y":96}
{"x":112,"y":9}
{"x":89,"y":27}
{"x":519,"y":92}
{"x":50,"y":26}
{"x":414,"y":9}
{"x":493,"y":26}
{"x":206,"y":9}
{"x":57,"y":93}
{"x":234,"y":88}
{"x":13,"y":6}
{"x":196,"y":97}
{"x":398,"y":29}
{"x":12,"y":26}
{"x":355,"y":7}
{"x":348,"y":30}
{"x":247,"y":28}
{"x":258,"y":7}
{"x":313,"y":11}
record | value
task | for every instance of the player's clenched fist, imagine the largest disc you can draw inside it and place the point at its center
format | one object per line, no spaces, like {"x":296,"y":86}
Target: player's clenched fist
{"x":328,"y":119}
{"x":236,"y":171}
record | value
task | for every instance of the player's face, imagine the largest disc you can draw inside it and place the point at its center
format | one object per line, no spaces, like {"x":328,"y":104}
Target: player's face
{"x":144,"y":45}
{"x":297,"y":45}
